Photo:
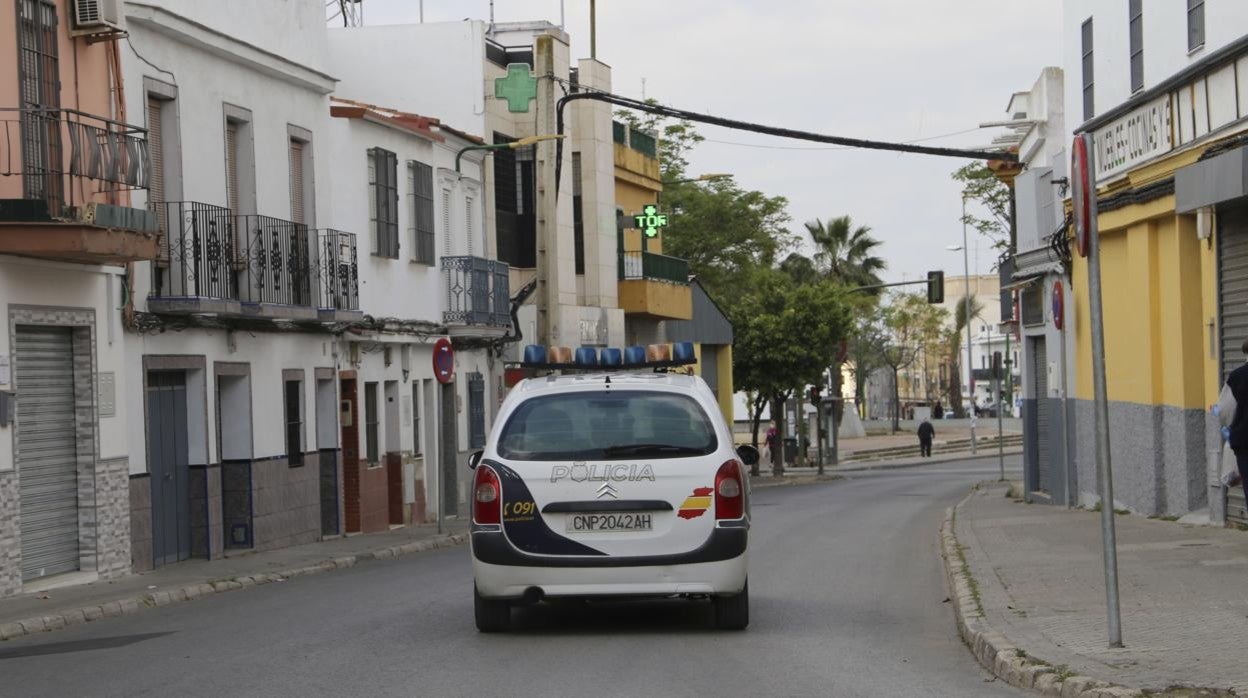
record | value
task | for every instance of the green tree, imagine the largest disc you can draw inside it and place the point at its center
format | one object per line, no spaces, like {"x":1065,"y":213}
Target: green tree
{"x":911,"y":324}
{"x":981,"y":186}
{"x":867,"y":340}
{"x":954,"y":337}
{"x":784,"y":333}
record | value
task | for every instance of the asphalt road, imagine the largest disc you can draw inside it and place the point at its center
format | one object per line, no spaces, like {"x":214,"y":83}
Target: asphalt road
{"x":846,"y":590}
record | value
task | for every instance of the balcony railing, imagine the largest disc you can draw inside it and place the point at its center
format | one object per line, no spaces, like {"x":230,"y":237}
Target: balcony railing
{"x":66,"y":157}
{"x":339,"y":277}
{"x":478,"y":292}
{"x":653,"y":267}
{"x":211,"y":253}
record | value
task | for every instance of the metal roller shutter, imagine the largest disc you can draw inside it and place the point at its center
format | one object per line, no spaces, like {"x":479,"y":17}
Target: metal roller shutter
{"x":1040,"y":374}
{"x":47,"y":456}
{"x":1233,"y":313}
{"x":296,"y":182}
{"x":156,"y":182}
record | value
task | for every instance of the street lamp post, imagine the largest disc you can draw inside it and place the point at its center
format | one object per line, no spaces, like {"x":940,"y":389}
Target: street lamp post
{"x":520,"y":143}
{"x":966,"y":298}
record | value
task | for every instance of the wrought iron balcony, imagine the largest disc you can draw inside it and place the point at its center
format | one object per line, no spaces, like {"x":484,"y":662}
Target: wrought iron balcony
{"x":478,"y":292}
{"x":70,"y":172}
{"x":338,"y":275}
{"x":215,"y":261}
{"x":653,"y":267}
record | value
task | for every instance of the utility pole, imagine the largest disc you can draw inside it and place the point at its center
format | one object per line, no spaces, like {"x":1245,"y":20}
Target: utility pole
{"x":966,"y":297}
{"x":1083,"y":167}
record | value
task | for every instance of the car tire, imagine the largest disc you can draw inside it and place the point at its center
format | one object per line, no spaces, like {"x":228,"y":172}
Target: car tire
{"x":492,"y":615}
{"x":732,"y":612}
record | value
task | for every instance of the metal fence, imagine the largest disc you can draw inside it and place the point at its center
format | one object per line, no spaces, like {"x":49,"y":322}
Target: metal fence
{"x":209,"y":252}
{"x":198,"y":255}
{"x":64,"y":156}
{"x":339,"y":274}
{"x":656,"y":267}
{"x":642,"y":142}
{"x":477,"y":292}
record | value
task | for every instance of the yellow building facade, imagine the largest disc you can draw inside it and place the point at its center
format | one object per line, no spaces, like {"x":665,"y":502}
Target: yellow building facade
{"x":1173,"y":235}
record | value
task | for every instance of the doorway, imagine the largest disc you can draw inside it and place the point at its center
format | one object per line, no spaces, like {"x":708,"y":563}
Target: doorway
{"x":169,"y":456}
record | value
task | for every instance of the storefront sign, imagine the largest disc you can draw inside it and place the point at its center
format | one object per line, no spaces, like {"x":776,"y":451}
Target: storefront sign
{"x":1139,"y":135}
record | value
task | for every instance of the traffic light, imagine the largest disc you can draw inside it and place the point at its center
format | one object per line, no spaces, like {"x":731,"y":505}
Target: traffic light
{"x":935,"y":287}
{"x":815,"y":390}
{"x":996,"y":364}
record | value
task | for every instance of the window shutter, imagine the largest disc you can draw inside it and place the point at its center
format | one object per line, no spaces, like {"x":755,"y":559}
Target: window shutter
{"x":447,"y":248}
{"x":392,"y":202}
{"x":422,"y":211}
{"x":296,"y":182}
{"x":469,"y":232}
{"x":231,"y":166}
{"x":156,"y":182}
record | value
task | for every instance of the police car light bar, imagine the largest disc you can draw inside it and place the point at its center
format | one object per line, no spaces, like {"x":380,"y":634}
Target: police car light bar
{"x":611,"y":358}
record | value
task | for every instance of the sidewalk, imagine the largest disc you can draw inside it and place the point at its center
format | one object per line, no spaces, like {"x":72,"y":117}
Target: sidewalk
{"x":1036,"y":588}
{"x":56,"y":608}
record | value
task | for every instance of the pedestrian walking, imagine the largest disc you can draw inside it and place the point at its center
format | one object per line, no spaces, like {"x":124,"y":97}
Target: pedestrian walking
{"x":772,"y":438}
{"x":927,"y":432}
{"x":1233,"y":411}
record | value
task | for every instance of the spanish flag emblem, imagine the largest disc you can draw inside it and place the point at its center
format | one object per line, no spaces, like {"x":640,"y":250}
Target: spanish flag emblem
{"x":696,"y":504}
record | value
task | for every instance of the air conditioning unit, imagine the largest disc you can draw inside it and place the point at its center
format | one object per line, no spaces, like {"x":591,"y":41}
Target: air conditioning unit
{"x":96,"y":17}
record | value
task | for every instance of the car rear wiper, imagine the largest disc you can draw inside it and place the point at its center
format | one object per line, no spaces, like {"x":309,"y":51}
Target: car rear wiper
{"x":638,"y":449}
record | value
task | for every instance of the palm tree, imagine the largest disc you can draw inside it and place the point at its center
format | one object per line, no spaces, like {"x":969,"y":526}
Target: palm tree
{"x":845,"y":252}
{"x":955,"y":349}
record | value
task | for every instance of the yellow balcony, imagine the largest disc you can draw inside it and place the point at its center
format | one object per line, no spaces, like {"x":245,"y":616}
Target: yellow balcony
{"x":655,"y":285}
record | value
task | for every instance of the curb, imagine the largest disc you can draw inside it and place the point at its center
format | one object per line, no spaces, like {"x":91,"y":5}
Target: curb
{"x":991,"y":649}
{"x":852,"y":466}
{"x":767,"y":481}
{"x":1005,"y":660}
{"x":190,"y":592}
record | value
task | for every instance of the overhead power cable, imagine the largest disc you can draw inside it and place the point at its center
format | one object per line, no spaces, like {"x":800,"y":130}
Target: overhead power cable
{"x":673,"y":113}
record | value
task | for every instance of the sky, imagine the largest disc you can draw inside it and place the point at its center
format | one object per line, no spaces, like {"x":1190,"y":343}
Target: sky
{"x":896,"y":70}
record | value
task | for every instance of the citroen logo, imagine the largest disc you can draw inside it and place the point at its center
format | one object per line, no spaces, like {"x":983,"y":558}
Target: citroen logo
{"x":608,"y":490}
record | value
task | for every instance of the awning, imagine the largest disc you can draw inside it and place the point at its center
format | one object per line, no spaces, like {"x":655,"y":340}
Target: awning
{"x":1018,"y":284}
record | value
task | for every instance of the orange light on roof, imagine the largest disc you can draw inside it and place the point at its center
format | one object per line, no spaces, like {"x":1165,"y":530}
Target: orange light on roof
{"x":559,"y":355}
{"x":659,"y":352}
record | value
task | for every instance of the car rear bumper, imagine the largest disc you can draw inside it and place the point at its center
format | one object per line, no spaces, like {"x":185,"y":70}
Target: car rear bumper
{"x":513,"y":582}
{"x":728,"y":540}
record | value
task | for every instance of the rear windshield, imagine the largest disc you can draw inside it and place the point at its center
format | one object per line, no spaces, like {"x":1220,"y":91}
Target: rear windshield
{"x":608,"y":426}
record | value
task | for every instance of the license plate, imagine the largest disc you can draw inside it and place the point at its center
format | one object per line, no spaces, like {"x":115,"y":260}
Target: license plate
{"x":609,"y":522}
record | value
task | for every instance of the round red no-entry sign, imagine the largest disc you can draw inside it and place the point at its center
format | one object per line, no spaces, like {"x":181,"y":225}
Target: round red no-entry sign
{"x":1083,"y":191}
{"x":1059,"y":305}
{"x":443,"y":361}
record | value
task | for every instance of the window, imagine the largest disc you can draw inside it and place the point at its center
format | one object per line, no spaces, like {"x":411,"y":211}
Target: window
{"x":1086,"y":50}
{"x":420,"y":192}
{"x":296,"y":181}
{"x":383,"y":202}
{"x":370,"y":423}
{"x":514,"y":195}
{"x":469,"y":224}
{"x":448,"y":248}
{"x":294,"y":422}
{"x":623,"y":425}
{"x":1195,"y":24}
{"x":415,"y":418}
{"x":578,"y":215}
{"x":38,"y":74}
{"x":476,"y":410}
{"x":1136,"y":27}
{"x":240,"y":163}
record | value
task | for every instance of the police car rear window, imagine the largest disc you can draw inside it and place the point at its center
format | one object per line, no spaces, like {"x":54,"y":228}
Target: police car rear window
{"x":609,"y":426}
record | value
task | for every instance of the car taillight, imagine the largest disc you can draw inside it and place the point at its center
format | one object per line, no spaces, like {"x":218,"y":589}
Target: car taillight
{"x":487,"y":497}
{"x":729,"y":491}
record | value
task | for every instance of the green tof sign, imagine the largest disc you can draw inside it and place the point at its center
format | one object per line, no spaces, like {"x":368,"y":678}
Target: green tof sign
{"x":650,"y":220}
{"x":518,"y":88}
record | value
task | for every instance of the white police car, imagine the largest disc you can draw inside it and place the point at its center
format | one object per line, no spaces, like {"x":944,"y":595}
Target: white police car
{"x":610,"y":485}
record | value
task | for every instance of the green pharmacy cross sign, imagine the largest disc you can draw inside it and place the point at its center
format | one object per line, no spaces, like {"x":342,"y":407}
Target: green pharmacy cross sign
{"x":650,"y":220}
{"x":518,"y":88}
